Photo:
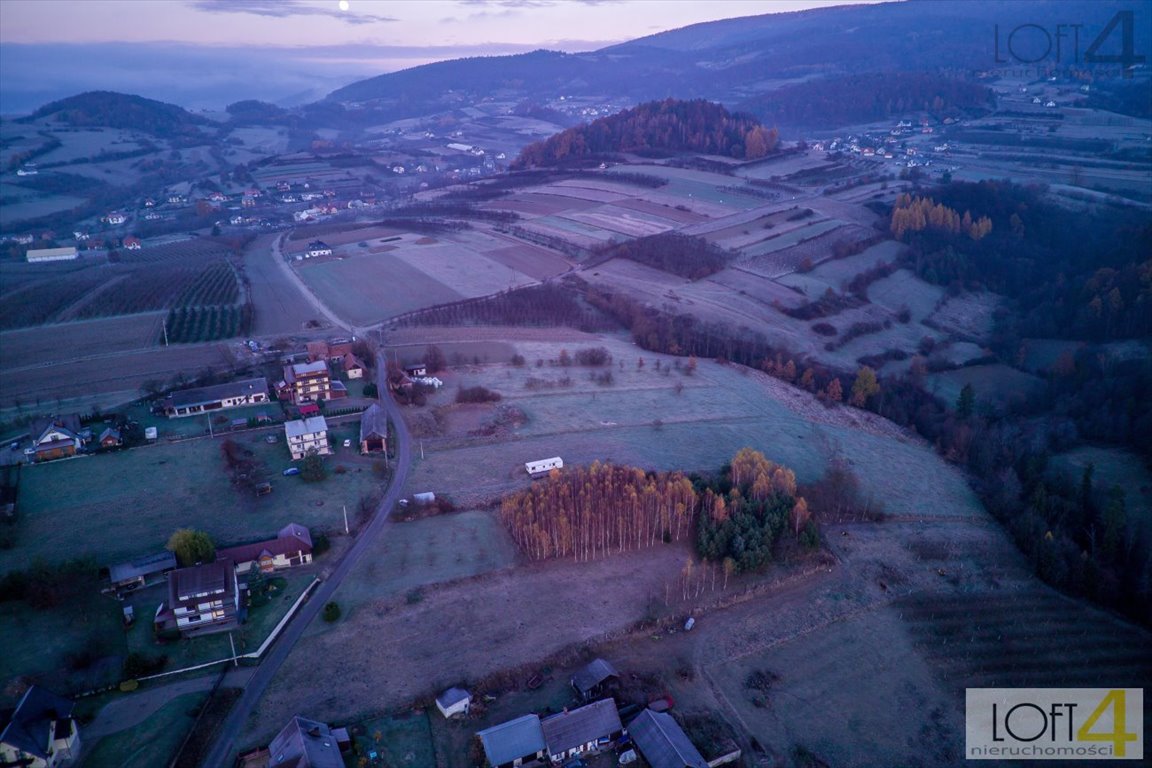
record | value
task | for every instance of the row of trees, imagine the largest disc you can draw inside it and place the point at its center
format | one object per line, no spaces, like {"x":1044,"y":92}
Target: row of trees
{"x":916,"y":214}
{"x":689,"y":257}
{"x":589,"y":512}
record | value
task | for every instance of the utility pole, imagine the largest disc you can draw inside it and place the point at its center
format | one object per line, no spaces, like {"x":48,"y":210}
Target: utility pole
{"x":164,"y":325}
{"x":210,"y":434}
{"x":235,"y":663}
{"x":345,"y":519}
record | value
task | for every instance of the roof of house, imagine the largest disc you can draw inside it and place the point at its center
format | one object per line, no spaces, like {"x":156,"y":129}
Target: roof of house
{"x":351,"y":361}
{"x":110,"y":432}
{"x":570,"y":729}
{"x":516,"y":738}
{"x":663,"y":743}
{"x":292,"y":538}
{"x":31,"y":723}
{"x":142,"y":566}
{"x":373,"y":422}
{"x":317,"y":245}
{"x":202,"y":395}
{"x":209,"y":578}
{"x":305,"y":743}
{"x":594,"y":673}
{"x":308,"y":369}
{"x":452,"y":696}
{"x":310,"y":426}
{"x":317,"y":349}
{"x":67,"y":423}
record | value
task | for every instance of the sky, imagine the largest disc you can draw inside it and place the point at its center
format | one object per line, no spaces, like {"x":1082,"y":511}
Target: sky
{"x":208,"y":53}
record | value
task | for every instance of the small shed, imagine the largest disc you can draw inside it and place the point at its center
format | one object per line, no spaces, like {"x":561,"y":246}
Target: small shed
{"x":151,"y":433}
{"x":428,"y":497}
{"x":592,"y":680}
{"x":544,"y":465}
{"x":453,"y":702}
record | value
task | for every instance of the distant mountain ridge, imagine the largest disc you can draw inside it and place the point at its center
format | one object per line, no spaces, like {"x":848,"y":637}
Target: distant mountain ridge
{"x":109,"y":109}
{"x":739,"y":62}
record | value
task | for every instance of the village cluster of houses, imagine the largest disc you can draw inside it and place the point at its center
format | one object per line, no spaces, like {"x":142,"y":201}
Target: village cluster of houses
{"x":591,"y":728}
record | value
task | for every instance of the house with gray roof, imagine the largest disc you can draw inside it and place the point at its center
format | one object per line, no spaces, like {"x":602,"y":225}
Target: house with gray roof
{"x":586,"y":729}
{"x":514,"y":743}
{"x":234,"y":394}
{"x":41,"y":732}
{"x":135,"y":573}
{"x":663,"y":742}
{"x":305,"y":743}
{"x":454,"y":701}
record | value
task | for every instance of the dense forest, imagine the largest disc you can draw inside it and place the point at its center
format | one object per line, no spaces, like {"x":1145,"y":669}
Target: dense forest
{"x":669,"y":125}
{"x":107,"y":109}
{"x":746,"y":510}
{"x":593,"y":511}
{"x":690,"y":257}
{"x":1075,"y":275}
{"x":832,"y":102}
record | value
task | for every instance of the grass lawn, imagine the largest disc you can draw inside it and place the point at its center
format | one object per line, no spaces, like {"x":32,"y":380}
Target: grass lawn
{"x":38,"y":643}
{"x":398,"y":742}
{"x":431,"y":550}
{"x":153,"y":742}
{"x":121,"y":505}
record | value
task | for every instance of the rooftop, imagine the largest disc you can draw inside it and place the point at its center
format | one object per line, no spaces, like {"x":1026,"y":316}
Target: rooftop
{"x":202,"y":395}
{"x":663,"y":743}
{"x":209,"y":578}
{"x":301,"y":427}
{"x":516,"y":738}
{"x":570,"y":729}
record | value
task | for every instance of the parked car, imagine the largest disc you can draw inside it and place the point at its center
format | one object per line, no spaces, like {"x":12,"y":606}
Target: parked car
{"x":347,"y":443}
{"x":291,"y":471}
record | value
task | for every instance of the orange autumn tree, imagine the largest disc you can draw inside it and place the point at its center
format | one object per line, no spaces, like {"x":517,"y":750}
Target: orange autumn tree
{"x":589,"y":512}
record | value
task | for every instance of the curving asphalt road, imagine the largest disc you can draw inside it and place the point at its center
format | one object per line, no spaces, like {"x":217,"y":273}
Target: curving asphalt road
{"x":224,"y":748}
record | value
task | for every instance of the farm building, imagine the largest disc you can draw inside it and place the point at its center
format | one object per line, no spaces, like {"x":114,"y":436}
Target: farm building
{"x":318,"y":248}
{"x":235,"y":394}
{"x":544,"y":465}
{"x":305,"y":743}
{"x":306,"y":382}
{"x":416,"y":370}
{"x":56,"y":437}
{"x":373,"y":429}
{"x":317,"y":350}
{"x":306,"y":436}
{"x":202,"y":599}
{"x":454,"y":701}
{"x":110,"y":438}
{"x":569,"y":734}
{"x":41,"y":732}
{"x":592,"y":680}
{"x":663,"y":742}
{"x":135,"y":573}
{"x":353,"y":366}
{"x":514,"y":743}
{"x":37,"y":255}
{"x":291,"y":547}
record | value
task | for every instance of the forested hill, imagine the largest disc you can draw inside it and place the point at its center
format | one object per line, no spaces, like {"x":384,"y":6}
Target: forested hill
{"x":663,"y":126}
{"x":108,"y":109}
{"x":848,"y":99}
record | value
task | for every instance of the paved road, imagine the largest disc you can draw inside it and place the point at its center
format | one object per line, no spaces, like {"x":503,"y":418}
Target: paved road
{"x":223,"y":750}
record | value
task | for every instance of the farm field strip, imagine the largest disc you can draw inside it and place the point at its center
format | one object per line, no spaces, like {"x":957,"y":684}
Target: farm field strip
{"x":462,"y":270}
{"x":579,"y":193}
{"x":792,"y":237}
{"x":625,"y":224}
{"x":363,"y":291}
{"x":666,"y":212}
{"x":536,"y":263}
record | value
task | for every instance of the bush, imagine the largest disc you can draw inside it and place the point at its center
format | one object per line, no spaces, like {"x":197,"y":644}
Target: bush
{"x":312,"y":469}
{"x":320,"y":543}
{"x":129,"y":685}
{"x":371,"y":390}
{"x":824,"y":329}
{"x":138,"y":664}
{"x":414,"y":596}
{"x":331,"y":612}
{"x":476,"y":394}
{"x":593,"y":357}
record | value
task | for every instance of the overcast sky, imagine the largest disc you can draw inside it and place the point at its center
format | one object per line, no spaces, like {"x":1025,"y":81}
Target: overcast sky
{"x":199,"y":52}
